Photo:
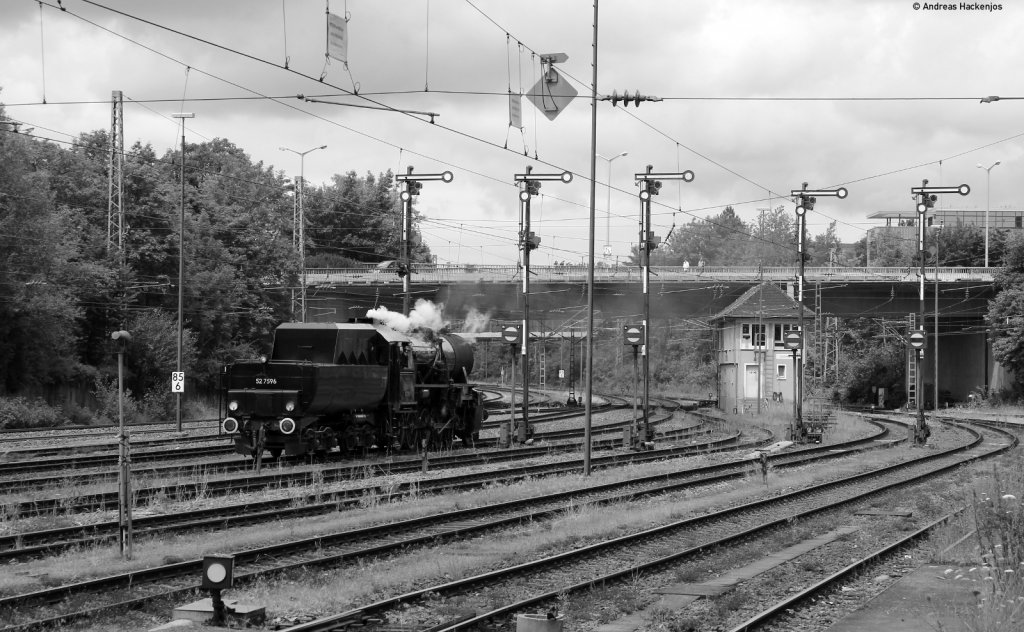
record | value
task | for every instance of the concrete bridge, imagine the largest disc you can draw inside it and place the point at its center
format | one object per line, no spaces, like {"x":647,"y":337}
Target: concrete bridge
{"x":471,"y":274}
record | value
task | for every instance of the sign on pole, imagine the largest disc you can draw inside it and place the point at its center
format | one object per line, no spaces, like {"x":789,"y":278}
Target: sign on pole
{"x":633,"y":334}
{"x":511,"y":334}
{"x":552,"y":94}
{"x":515,"y":111}
{"x":794,"y":340}
{"x":918,"y":339}
{"x":337,"y":37}
{"x":177,"y":381}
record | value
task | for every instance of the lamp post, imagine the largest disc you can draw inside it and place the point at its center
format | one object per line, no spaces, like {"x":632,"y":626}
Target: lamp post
{"x":608,"y":217}
{"x":988,"y":191}
{"x":302,"y":224}
{"x":181,"y":260}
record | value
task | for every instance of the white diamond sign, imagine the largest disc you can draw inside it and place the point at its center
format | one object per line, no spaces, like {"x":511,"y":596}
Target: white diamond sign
{"x":552,"y":94}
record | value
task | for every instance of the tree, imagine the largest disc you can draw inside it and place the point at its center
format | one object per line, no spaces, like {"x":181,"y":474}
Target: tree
{"x":38,"y":310}
{"x":719,"y":240}
{"x":1006,"y":309}
{"x":872,"y":361}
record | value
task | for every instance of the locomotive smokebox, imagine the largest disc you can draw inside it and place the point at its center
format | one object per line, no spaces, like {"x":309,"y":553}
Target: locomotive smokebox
{"x":449,"y":355}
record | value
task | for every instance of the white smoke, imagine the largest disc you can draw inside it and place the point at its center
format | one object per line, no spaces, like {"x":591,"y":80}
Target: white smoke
{"x":425,"y":315}
{"x":475,"y":321}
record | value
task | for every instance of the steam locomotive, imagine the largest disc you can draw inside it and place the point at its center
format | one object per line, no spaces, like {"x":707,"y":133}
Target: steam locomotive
{"x":353,"y":386}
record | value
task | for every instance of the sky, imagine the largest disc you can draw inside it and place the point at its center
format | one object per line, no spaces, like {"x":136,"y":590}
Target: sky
{"x":758,"y":97}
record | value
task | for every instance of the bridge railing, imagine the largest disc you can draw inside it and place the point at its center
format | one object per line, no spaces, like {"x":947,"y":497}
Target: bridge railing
{"x":620,"y":274}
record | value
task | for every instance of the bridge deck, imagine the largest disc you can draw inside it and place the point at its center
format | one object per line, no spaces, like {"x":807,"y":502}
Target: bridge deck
{"x":620,"y":274}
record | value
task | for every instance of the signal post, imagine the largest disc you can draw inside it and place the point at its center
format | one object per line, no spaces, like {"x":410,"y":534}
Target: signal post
{"x":511,"y":334}
{"x":529,"y":186}
{"x":917,"y":339}
{"x":411,"y":186}
{"x":650,"y":185}
{"x":633,"y":335}
{"x":805,"y":200}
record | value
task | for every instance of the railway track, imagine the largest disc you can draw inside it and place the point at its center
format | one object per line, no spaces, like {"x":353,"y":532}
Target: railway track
{"x":353,"y":545}
{"x":81,"y":477}
{"x":98,"y":455}
{"x":25,"y":545}
{"x":538,"y":584}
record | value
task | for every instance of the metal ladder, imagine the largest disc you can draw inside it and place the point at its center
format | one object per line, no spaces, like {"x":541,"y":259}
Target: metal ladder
{"x":911,"y":369}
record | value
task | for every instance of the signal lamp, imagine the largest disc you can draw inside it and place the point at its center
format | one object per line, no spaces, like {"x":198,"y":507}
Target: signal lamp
{"x":286,"y":425}
{"x":230,"y":425}
{"x":233,"y":405}
{"x":289,"y":406}
{"x":218,"y":571}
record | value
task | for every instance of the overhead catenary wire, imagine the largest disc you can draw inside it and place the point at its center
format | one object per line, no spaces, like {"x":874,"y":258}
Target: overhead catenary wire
{"x":263,"y":61}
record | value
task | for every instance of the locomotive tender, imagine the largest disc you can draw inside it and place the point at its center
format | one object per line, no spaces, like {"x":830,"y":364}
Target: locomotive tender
{"x":352,"y":385}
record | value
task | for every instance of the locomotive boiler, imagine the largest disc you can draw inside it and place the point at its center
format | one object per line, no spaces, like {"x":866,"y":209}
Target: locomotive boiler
{"x":353,"y":386}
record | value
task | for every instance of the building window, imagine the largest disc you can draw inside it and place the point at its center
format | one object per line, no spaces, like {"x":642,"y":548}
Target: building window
{"x":752,"y":335}
{"x":780,"y":371}
{"x":780,"y":334}
{"x":1018,"y":222}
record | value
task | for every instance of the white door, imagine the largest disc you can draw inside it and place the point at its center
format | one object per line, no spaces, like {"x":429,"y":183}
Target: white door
{"x":752,"y":376}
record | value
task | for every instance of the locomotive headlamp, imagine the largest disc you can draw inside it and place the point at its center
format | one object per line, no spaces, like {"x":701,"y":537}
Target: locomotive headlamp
{"x":233,"y":405}
{"x":230,"y":425}
{"x":263,"y":359}
{"x":287,"y":425}
{"x":289,"y":405}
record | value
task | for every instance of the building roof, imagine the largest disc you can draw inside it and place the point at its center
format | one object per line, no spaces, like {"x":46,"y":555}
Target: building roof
{"x":767,"y":301}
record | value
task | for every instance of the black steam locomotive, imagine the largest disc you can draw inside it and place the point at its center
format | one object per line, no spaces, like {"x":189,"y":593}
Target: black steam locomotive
{"x":354,"y":386}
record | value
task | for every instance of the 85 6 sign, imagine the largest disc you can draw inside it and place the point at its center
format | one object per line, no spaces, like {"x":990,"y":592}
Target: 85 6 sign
{"x":177,"y":381}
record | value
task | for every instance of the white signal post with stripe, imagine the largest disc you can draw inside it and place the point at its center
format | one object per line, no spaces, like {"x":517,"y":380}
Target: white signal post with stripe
{"x":529,"y":186}
{"x":917,"y":339}
{"x":805,"y":199}
{"x":650,"y":185}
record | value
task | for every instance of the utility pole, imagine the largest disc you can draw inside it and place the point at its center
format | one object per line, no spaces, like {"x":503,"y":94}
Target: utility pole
{"x":115,"y":176}
{"x":529,"y":186}
{"x":650,"y":185}
{"x":181,"y":263}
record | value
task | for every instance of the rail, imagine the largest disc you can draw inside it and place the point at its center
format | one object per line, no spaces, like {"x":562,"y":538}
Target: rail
{"x":468,"y":274}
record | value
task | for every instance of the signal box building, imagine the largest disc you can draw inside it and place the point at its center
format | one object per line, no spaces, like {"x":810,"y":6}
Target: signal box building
{"x":753,"y":360}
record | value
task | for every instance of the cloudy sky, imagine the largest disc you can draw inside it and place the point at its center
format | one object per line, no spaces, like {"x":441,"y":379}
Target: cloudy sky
{"x":759,"y":97}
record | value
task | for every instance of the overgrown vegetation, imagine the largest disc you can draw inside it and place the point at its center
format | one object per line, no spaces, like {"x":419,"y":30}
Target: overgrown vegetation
{"x":64,"y":287}
{"x":998,"y":509}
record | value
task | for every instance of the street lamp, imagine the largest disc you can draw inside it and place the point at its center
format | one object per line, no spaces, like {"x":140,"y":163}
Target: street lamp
{"x":302,"y":225}
{"x":988,"y":191}
{"x":181,"y":260}
{"x":608,"y":222}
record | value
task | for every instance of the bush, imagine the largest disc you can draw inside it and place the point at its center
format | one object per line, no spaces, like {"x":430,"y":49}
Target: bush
{"x":79,"y":416}
{"x":106,"y":397}
{"x":21,"y":412}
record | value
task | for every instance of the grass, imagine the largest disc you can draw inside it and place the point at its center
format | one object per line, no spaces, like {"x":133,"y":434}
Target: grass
{"x":991,"y":555}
